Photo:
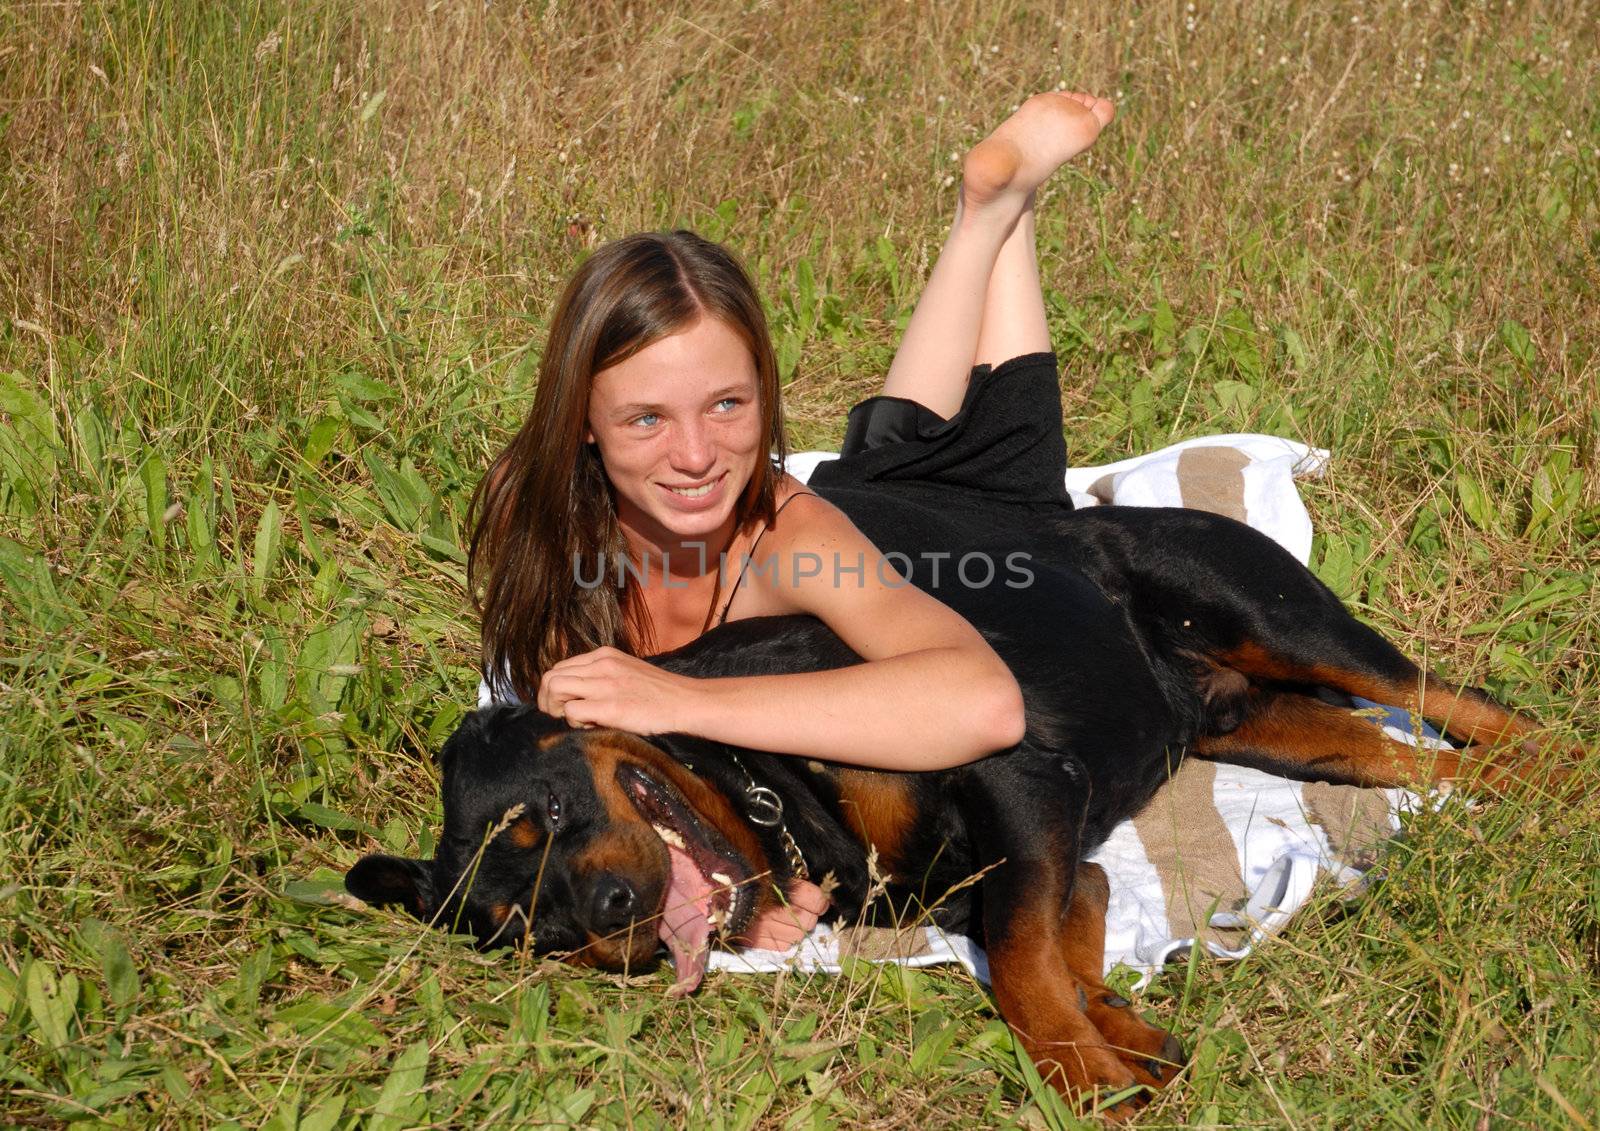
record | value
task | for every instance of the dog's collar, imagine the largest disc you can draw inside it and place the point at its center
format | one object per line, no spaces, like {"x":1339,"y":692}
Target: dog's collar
{"x":764,"y":807}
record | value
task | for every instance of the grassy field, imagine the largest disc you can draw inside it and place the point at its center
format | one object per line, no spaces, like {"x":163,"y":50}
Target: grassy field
{"x":273,"y":276}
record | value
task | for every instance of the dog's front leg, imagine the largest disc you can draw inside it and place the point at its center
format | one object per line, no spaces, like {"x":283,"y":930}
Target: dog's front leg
{"x":1025,"y":814}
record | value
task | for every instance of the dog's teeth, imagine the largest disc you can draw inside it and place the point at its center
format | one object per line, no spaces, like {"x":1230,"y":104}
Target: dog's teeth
{"x":670,"y":836}
{"x":721,"y":878}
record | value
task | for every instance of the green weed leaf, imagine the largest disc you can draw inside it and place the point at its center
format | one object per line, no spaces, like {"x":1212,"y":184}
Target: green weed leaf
{"x":116,"y":964}
{"x":269,"y":540}
{"x":320,"y":439}
{"x":789,"y":346}
{"x":934,"y":1033}
{"x":153,"y":474}
{"x":402,"y":1100}
{"x":327,"y":662}
{"x":1163,"y":328}
{"x":51,"y":1002}
{"x":1514,"y":335}
{"x":1239,"y":339}
{"x":401,"y":490}
{"x":326,"y":818}
{"x":1477,"y":503}
{"x":30,"y":447}
{"x":364,"y":389}
{"x":443,"y":547}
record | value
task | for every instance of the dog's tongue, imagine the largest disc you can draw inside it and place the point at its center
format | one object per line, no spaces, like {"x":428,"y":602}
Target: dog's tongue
{"x":684,"y":927}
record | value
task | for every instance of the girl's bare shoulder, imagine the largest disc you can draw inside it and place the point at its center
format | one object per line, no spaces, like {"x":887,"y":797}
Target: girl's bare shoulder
{"x":810,"y":517}
{"x":768,"y":569}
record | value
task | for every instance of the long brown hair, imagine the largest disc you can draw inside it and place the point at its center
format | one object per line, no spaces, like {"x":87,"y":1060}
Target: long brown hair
{"x":546,"y":505}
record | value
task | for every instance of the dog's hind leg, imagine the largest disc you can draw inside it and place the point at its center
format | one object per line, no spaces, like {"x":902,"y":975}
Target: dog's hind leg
{"x":1287,"y":633}
{"x":1299,"y":736}
{"x":1229,"y":598}
{"x":1357,"y":661}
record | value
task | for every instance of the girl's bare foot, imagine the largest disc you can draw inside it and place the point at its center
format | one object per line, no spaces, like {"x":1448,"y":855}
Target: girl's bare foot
{"x":1048,"y":130}
{"x":983,"y":301}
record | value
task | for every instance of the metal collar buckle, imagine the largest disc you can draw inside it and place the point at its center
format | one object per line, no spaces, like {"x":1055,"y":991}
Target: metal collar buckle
{"x":765,"y":807}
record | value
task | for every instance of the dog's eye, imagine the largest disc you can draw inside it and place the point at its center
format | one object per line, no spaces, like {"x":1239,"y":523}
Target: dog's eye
{"x":552,"y":808}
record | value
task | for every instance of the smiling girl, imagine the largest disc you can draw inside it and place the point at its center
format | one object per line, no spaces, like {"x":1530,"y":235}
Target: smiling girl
{"x":656,"y":440}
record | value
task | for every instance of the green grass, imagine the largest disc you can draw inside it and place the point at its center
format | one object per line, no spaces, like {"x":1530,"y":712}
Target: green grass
{"x":273,"y":282}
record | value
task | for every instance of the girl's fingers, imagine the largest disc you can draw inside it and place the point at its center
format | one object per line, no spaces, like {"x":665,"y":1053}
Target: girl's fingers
{"x":807,"y":898}
{"x":777,"y":930}
{"x":784,"y":925}
{"x":557,"y":689}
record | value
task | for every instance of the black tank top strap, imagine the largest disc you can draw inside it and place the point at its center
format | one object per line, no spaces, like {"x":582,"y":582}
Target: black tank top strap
{"x":744,"y":566}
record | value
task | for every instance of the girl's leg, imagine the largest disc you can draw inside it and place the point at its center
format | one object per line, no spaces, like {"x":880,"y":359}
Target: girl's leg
{"x":1013,"y":303}
{"x":982,"y":301}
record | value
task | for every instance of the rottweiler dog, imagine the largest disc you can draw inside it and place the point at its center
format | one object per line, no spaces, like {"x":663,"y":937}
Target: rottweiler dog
{"x":1143,"y":636}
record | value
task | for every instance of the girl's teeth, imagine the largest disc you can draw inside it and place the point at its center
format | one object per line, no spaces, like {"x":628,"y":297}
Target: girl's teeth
{"x":693,"y":492}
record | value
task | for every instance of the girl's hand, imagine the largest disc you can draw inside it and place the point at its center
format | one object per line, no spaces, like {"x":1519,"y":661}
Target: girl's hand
{"x":609,"y":688}
{"x":788,"y":923}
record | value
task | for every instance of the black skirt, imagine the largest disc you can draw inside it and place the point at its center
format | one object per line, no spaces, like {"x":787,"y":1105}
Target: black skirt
{"x":1001,"y":456}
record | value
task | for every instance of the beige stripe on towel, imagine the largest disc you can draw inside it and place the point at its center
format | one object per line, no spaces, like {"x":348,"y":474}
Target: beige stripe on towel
{"x":1192,"y":850}
{"x":1356,"y":820}
{"x":1104,"y":489}
{"x":883,"y":944}
{"x":1212,"y":479}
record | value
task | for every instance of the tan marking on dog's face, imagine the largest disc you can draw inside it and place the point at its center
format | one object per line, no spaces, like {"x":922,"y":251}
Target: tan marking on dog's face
{"x":608,"y":751}
{"x":622,"y":849}
{"x":524,"y":834}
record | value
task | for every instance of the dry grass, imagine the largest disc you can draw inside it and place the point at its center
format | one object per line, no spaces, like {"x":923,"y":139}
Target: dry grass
{"x":273,"y":277}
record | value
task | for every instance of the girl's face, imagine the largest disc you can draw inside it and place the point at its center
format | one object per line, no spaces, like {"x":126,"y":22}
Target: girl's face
{"x":679,"y":433}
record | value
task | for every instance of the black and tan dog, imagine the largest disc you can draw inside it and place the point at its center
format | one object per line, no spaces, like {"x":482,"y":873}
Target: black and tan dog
{"x":1145,"y":635}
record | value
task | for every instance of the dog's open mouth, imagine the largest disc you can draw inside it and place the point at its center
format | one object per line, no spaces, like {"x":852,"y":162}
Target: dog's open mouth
{"x":708,"y":893}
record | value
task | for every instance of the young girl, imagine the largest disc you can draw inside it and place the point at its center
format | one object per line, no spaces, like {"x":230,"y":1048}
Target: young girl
{"x":640,"y":503}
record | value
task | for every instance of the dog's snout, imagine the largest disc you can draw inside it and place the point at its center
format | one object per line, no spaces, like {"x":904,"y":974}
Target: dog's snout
{"x":613,"y":903}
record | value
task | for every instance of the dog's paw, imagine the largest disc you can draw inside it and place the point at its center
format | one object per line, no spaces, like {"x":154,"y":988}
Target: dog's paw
{"x":1153,"y":1055}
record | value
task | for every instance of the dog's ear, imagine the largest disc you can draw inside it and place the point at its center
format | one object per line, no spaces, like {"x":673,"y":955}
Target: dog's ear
{"x":379,"y":879}
{"x":468,"y":731}
{"x":502,"y":725}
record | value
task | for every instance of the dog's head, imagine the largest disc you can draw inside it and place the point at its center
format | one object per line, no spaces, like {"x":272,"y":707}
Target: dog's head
{"x":597,"y":845}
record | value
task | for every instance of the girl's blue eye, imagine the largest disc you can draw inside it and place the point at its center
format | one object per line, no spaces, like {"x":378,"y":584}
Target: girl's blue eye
{"x":647,"y":420}
{"x":727,"y":404}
